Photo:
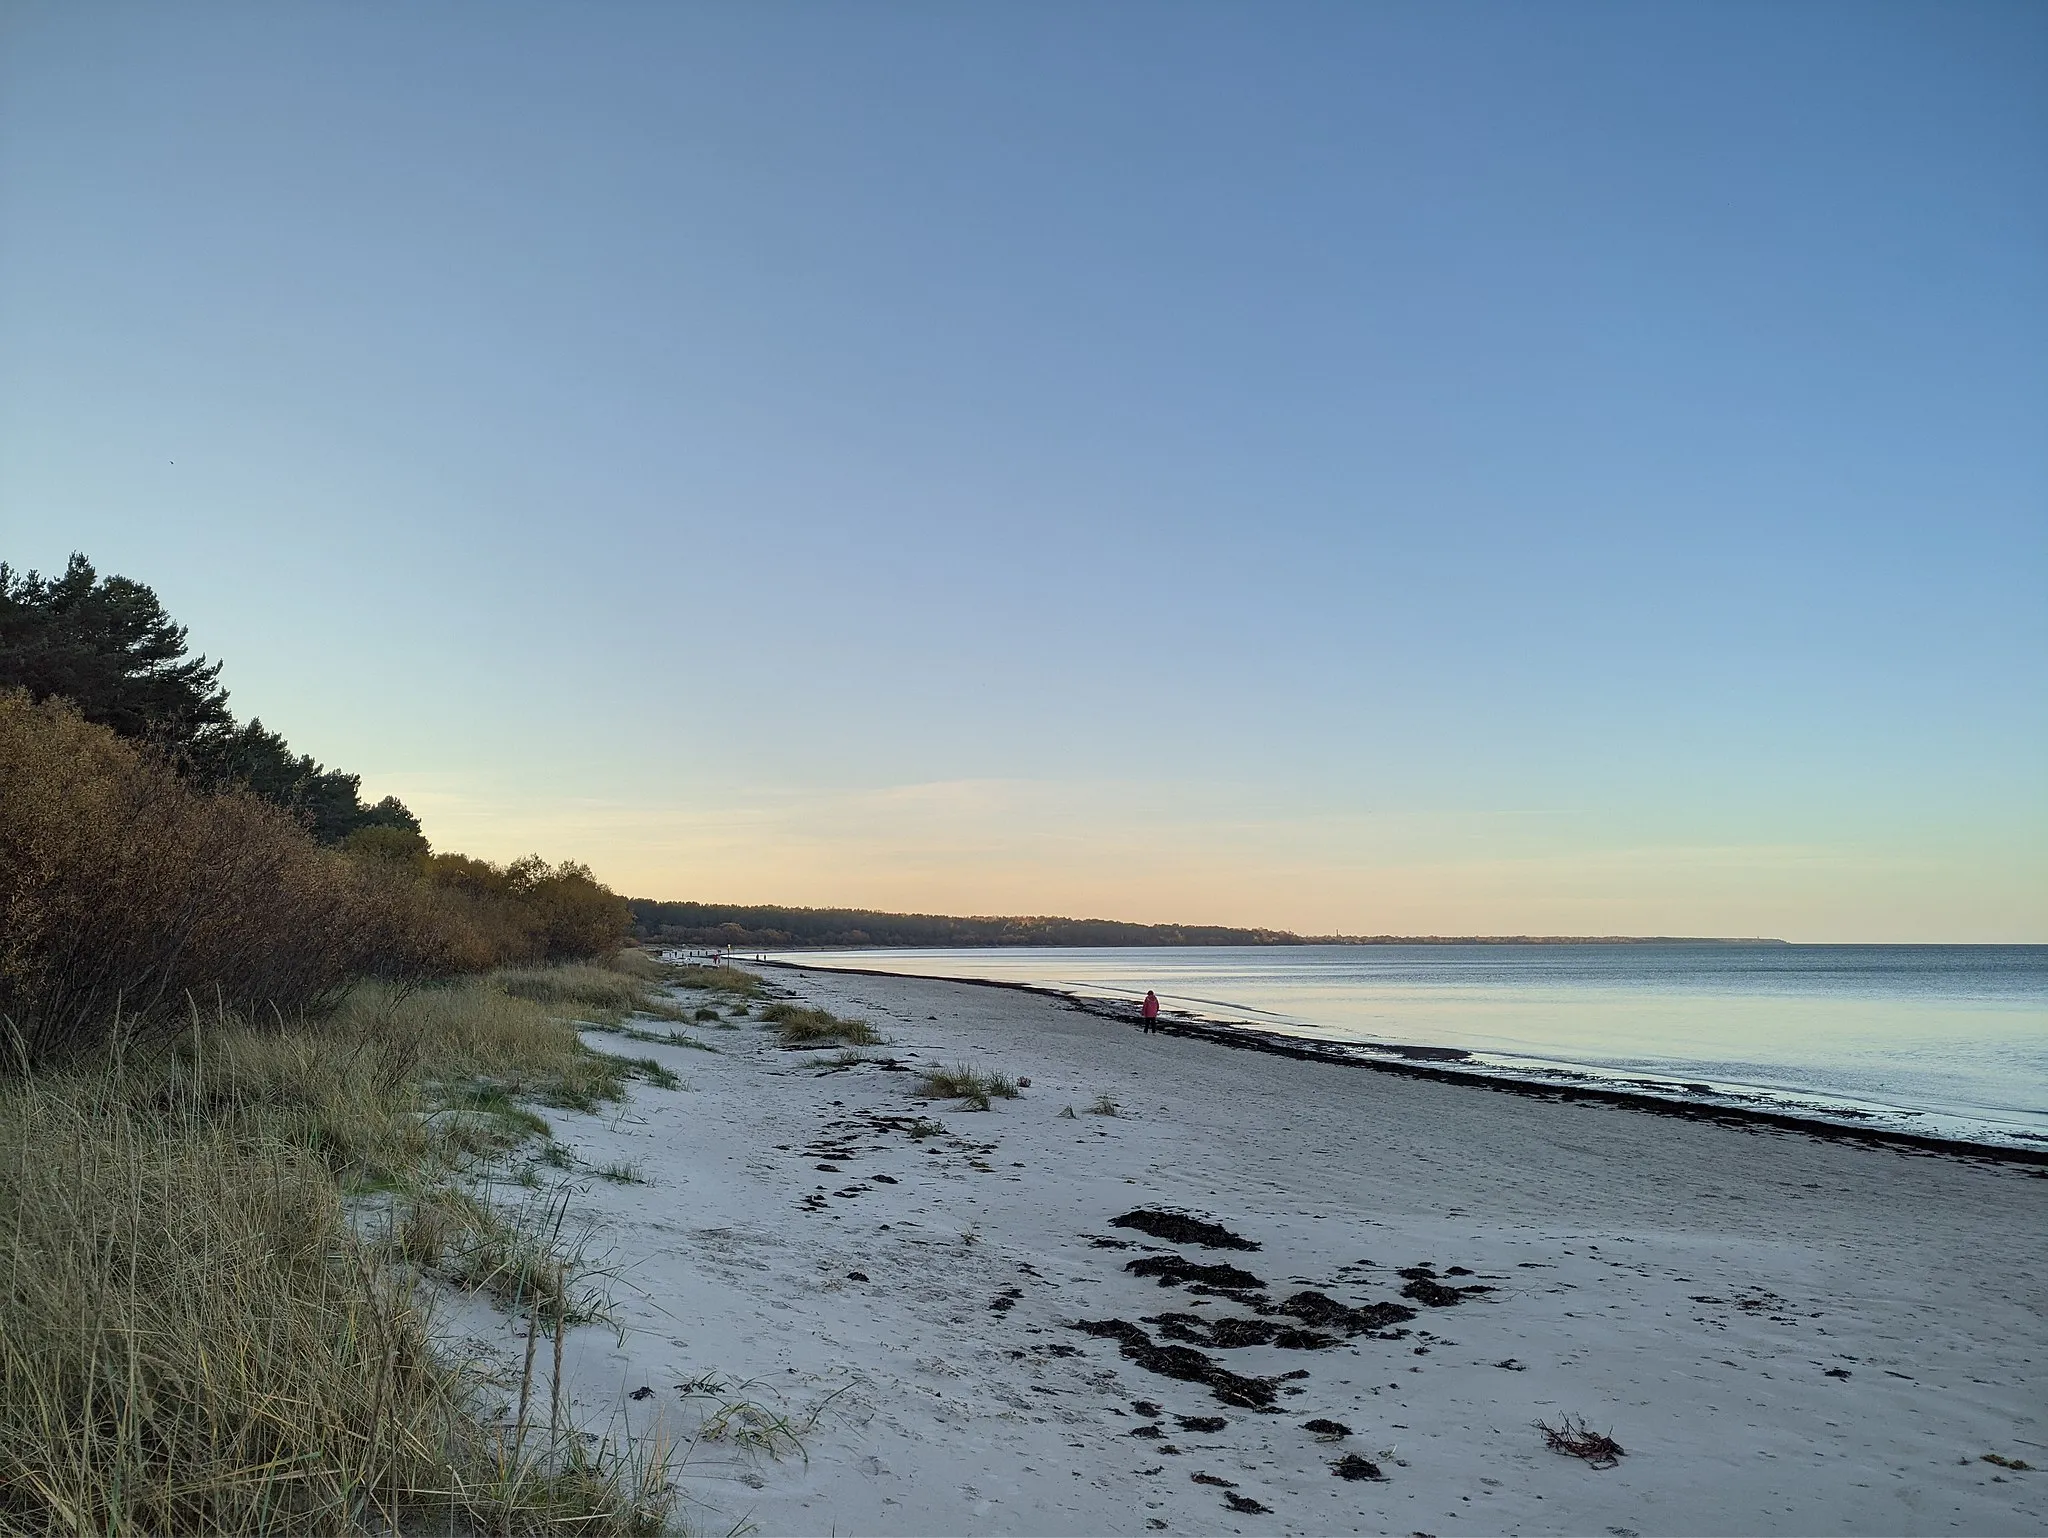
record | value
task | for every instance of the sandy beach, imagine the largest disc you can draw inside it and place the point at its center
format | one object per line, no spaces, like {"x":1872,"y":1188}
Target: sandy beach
{"x":1783,"y":1334}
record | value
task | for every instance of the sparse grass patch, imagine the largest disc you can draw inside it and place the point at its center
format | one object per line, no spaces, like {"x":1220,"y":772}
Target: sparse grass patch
{"x":520,"y":1254}
{"x":492,"y":1100}
{"x":729,"y":980}
{"x":962,"y":1082}
{"x":1104,"y":1106}
{"x":624,"y":1174}
{"x":654,"y":1073}
{"x":635,"y":963}
{"x":473,"y":1032}
{"x":669,"y":1038}
{"x":599,"y":991}
{"x":597,"y":995}
{"x":748,"y":1422}
{"x":798,"y":1026}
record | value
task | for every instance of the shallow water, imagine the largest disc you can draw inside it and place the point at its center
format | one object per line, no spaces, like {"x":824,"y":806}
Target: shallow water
{"x":1947,"y":1040}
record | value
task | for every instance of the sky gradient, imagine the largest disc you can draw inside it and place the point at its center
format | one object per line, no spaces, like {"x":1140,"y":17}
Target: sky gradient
{"x":1419,"y":469}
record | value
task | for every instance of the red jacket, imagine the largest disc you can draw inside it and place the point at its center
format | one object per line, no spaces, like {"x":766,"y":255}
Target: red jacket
{"x":1151,"y":1005}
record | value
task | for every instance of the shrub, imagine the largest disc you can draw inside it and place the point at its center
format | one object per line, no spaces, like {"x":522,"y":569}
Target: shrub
{"x":524,"y":912}
{"x":126,"y":899}
{"x":129,"y":901}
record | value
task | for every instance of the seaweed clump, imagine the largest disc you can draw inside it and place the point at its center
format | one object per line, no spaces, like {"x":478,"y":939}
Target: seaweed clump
{"x":1326,"y":1313}
{"x":1351,"y":1466}
{"x":1234,"y":1334}
{"x":1425,"y":1289}
{"x":1182,"y":1362}
{"x":1172,"y":1270}
{"x":1181,"y":1228}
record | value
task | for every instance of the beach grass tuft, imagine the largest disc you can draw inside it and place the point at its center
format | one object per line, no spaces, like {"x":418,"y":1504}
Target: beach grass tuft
{"x":963,"y":1082}
{"x":797,"y":1026}
{"x":727,"y":980}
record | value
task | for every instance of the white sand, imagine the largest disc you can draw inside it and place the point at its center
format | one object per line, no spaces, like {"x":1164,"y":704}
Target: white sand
{"x":1687,"y":1286}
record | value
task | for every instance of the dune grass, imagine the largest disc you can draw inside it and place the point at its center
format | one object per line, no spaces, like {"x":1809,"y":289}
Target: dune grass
{"x":601,"y":995}
{"x":727,"y":980}
{"x":200,"y":1331}
{"x":519,"y":1254}
{"x":962,"y":1082}
{"x":797,"y":1026}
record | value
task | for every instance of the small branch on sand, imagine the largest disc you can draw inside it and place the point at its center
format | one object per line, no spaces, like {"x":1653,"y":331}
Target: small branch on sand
{"x":1572,"y":1435}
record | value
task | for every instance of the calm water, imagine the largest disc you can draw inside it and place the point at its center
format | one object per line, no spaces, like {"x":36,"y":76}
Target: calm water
{"x":1948,"y":1040}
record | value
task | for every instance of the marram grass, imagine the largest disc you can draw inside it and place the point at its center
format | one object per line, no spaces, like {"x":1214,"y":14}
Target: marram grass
{"x":198,"y":1335}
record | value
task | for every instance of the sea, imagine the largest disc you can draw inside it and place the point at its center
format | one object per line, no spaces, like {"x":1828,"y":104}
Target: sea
{"x":1947,"y":1041}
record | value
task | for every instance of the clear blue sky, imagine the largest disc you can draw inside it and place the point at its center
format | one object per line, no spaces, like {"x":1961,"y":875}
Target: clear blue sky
{"x":1454,"y":468}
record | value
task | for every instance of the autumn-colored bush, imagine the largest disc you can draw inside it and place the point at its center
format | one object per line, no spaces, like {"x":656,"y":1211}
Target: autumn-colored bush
{"x":129,"y":899}
{"x":529,"y":911}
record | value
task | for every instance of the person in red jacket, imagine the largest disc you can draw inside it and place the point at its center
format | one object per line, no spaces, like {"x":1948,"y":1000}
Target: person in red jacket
{"x":1151,"y":1010}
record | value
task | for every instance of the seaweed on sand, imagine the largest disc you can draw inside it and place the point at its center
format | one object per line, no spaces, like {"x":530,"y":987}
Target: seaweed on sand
{"x":1182,"y":1228}
{"x":1182,"y":1362}
{"x":1425,"y":1289}
{"x":1231,"y":1334}
{"x":1325,"y":1312}
{"x":1172,"y":1271}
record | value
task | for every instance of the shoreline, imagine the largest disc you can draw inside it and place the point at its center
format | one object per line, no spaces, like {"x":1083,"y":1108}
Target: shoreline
{"x":1244,"y":1036}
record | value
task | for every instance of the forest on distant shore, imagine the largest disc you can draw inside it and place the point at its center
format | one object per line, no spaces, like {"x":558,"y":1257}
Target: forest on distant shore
{"x":757,"y":927}
{"x":770,"y":928}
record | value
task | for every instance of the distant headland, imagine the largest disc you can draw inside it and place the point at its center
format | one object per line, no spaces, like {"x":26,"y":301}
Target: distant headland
{"x":772,"y":928}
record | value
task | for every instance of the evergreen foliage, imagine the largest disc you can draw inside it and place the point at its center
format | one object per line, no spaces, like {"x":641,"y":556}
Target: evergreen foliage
{"x":106,"y":645}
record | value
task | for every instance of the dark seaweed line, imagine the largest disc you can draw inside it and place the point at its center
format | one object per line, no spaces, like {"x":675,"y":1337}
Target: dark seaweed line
{"x":1249,"y":1038}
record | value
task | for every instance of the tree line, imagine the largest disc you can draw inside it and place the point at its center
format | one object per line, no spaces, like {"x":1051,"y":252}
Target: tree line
{"x":770,"y":928}
{"x":158,"y":857}
{"x":106,"y":645}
